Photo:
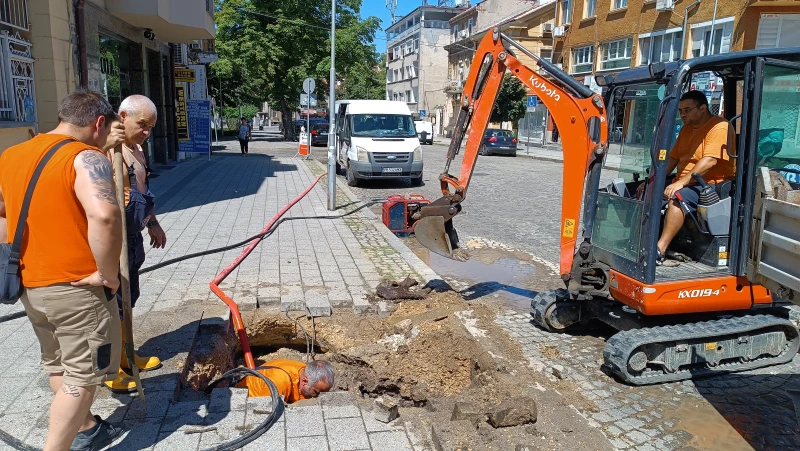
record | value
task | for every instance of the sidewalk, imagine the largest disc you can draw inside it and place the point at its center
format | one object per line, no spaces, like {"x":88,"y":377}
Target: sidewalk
{"x":556,"y":154}
{"x":324,"y":264}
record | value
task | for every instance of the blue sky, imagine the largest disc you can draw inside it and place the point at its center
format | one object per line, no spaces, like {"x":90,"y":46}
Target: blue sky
{"x":378,"y":8}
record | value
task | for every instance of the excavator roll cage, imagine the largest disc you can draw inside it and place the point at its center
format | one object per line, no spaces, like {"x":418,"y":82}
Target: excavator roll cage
{"x":579,"y":114}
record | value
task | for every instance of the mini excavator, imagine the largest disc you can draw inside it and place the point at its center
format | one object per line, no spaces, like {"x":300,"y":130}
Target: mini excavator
{"x":725,"y":308}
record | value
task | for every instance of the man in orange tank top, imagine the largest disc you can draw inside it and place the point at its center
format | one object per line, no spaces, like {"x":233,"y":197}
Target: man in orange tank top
{"x":138,"y":114}
{"x":70,"y":261}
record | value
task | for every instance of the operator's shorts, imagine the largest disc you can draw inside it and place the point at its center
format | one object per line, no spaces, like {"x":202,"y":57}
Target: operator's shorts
{"x":690,"y":195}
{"x":78,"y":330}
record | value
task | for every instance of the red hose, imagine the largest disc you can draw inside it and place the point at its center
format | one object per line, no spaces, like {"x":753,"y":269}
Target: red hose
{"x":236,"y":316}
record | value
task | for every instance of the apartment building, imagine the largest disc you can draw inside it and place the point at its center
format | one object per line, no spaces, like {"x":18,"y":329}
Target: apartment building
{"x":117,"y":47}
{"x":415,"y":56}
{"x":529,"y":22}
{"x":598,"y":36}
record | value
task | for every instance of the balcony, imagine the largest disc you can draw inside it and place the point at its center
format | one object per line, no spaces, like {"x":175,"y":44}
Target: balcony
{"x":454,"y":86}
{"x":179,"y":21}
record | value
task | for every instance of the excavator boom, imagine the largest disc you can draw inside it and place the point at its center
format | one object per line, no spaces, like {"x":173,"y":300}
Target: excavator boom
{"x":579,"y":114}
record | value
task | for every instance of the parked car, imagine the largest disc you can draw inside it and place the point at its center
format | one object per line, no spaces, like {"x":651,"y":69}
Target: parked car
{"x":376,"y":139}
{"x":301,"y":123}
{"x":319,"y":134}
{"x":499,"y":141}
{"x":427,"y":128}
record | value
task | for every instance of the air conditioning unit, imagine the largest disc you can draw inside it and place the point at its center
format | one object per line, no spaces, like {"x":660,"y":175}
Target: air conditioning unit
{"x":558,"y":31}
{"x":665,"y":5}
{"x":547,"y":27}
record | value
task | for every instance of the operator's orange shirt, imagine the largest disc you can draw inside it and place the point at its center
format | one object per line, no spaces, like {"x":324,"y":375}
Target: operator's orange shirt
{"x":709,"y":140}
{"x":286,"y":378}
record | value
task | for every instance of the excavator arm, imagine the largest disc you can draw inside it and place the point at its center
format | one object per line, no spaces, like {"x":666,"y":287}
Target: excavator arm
{"x":578,"y":112}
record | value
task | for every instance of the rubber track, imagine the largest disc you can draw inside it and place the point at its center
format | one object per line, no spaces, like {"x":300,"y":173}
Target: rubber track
{"x":539,"y":305}
{"x":620,"y":346}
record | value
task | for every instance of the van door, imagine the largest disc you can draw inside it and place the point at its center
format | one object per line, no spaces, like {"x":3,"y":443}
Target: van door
{"x":774,"y":251}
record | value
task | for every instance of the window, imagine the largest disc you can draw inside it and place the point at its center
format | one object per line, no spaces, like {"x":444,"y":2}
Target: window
{"x":660,"y":46}
{"x":619,"y":4}
{"x":401,"y":97}
{"x":546,"y":54}
{"x":566,"y":11}
{"x":394,"y":96}
{"x":402,"y":73}
{"x":396,"y":75}
{"x":590,"y":9}
{"x":408,"y":97}
{"x":583,"y":59}
{"x":17,"y":96}
{"x":778,"y":30}
{"x":779,"y":133}
{"x":616,"y":54}
{"x":396,"y":53}
{"x":389,"y":78}
{"x":704,"y":44}
{"x":415,"y":68}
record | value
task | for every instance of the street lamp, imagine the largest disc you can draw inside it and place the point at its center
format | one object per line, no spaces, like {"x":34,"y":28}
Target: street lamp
{"x":331,"y":116}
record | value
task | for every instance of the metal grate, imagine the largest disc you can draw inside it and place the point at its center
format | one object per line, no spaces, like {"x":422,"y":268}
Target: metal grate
{"x":14,"y":13}
{"x":394,"y":157}
{"x":17,"y":91}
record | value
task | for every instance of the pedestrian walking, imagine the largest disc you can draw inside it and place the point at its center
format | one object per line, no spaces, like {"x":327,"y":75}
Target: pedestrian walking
{"x":244,"y":135}
{"x":72,"y":239}
{"x":138,"y":115}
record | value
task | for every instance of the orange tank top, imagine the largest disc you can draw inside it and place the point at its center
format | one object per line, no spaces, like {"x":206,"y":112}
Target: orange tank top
{"x":55,"y":247}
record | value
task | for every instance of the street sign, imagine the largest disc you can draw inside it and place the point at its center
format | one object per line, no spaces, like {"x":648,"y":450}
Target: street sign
{"x":198,"y":114}
{"x":184,"y":75}
{"x":207,"y":57}
{"x":197,"y":88}
{"x":422,"y":114}
{"x":304,"y":148}
{"x":533,"y":101}
{"x":304,"y":99}
{"x":308,"y":85}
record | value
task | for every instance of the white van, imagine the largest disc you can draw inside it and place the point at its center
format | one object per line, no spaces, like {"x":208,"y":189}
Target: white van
{"x":427,"y":128}
{"x":376,"y":139}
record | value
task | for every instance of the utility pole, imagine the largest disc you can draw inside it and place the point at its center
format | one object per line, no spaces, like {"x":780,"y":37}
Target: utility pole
{"x":331,"y":116}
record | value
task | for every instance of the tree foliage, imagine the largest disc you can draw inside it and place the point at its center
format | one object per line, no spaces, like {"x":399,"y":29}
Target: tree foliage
{"x":267,"y":48}
{"x":511,"y":101}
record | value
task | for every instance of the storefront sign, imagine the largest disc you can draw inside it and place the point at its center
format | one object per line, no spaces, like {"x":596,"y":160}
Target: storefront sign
{"x":197,"y":89}
{"x":198,"y":113}
{"x":184,"y":75}
{"x":180,"y":114}
{"x":207,"y":57}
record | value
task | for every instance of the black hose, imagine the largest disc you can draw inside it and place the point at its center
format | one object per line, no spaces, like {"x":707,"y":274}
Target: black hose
{"x":260,"y":236}
{"x":272,"y":418}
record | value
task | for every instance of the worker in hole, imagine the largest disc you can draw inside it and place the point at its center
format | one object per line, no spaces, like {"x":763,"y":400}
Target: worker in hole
{"x":294,"y":380}
{"x":138,"y":114}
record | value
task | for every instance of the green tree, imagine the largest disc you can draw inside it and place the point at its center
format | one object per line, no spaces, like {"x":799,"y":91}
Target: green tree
{"x":511,"y":101}
{"x":365,"y":80}
{"x":233,"y":117}
{"x":267,"y":48}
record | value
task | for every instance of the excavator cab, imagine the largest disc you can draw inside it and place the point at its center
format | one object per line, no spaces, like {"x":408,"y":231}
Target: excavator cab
{"x":721,"y":309}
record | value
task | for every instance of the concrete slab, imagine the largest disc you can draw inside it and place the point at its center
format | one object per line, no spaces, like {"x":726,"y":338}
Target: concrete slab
{"x":346,"y":434}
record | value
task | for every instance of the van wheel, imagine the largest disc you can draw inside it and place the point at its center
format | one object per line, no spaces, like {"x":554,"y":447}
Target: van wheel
{"x":351,"y":177}
{"x":416,"y":181}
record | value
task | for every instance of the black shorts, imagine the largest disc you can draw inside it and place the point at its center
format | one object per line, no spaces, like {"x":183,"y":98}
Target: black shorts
{"x":690,"y":196}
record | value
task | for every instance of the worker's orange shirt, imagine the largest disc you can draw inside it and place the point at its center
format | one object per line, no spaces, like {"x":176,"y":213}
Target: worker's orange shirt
{"x":55,"y":247}
{"x":709,"y":140}
{"x":286,"y":378}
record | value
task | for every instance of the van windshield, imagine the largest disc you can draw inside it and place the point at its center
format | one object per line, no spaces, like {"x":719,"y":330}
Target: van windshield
{"x":383,"y":125}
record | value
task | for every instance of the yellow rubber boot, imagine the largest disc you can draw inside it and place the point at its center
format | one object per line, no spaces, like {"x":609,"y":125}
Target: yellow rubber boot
{"x":122,"y":384}
{"x":143,"y":363}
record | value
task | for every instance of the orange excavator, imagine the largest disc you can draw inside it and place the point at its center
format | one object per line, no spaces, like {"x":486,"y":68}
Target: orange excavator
{"x":724,"y":306}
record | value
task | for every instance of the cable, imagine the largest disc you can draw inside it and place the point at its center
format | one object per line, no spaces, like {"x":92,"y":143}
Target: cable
{"x":272,"y":418}
{"x":308,"y":345}
{"x":259,"y":237}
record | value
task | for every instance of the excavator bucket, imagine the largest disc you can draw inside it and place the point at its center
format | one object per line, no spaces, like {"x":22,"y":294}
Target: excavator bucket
{"x":430,"y":232}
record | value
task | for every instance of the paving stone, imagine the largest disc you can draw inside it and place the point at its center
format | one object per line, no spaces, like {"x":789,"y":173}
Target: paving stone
{"x":272,"y":440}
{"x":373,"y":425}
{"x":637,"y":437}
{"x":304,"y":421}
{"x":183,"y":414}
{"x":362,"y":306}
{"x":389,"y":441}
{"x":177,"y":441}
{"x":141,"y":434}
{"x":307,"y":443}
{"x":227,"y":399}
{"x":346,"y":434}
{"x":317,"y":303}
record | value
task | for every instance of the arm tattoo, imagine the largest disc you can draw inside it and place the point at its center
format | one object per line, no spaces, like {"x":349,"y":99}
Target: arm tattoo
{"x":101,"y":175}
{"x":71,"y":390}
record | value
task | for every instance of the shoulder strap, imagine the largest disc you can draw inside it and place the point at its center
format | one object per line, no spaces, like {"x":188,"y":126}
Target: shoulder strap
{"x":23,"y":213}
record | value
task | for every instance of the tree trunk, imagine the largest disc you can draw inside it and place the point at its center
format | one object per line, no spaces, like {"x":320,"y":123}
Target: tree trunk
{"x":286,"y":119}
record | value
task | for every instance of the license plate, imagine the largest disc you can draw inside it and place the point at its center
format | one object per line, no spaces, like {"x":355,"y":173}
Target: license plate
{"x":392,"y":170}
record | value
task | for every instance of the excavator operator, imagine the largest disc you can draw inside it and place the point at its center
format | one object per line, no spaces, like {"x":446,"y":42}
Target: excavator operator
{"x":701,"y":148}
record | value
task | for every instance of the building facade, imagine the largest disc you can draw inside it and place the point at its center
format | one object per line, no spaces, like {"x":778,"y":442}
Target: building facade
{"x":530,"y":23}
{"x":116,"y":47}
{"x":415,"y":55}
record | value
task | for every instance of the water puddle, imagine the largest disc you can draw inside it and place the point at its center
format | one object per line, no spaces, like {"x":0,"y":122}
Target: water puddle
{"x":710,"y":430}
{"x":488,"y":272}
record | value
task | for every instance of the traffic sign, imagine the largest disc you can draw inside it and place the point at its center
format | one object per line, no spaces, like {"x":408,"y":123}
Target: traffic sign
{"x":422,"y":114}
{"x":533,"y":101}
{"x":309,"y":85}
